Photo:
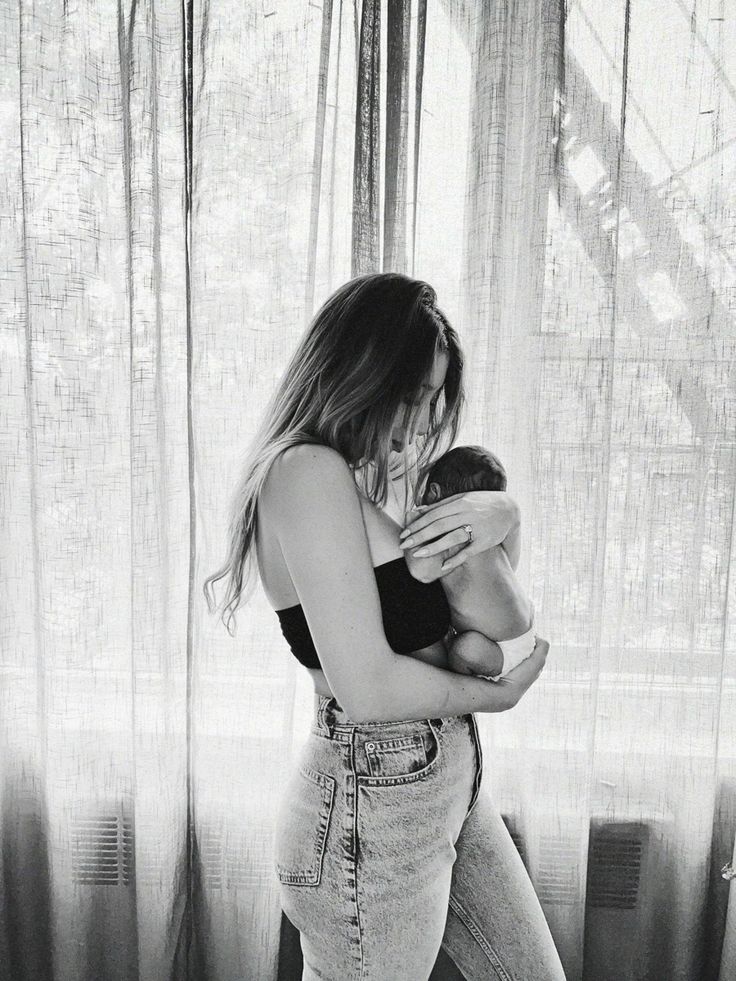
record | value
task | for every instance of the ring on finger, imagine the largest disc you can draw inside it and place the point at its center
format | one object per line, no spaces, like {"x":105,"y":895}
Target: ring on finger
{"x":468,"y":529}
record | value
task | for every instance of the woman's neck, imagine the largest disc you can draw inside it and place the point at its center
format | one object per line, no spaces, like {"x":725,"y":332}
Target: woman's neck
{"x":396,"y":504}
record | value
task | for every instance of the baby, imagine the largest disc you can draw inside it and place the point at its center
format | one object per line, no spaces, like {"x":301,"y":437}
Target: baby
{"x":491,"y":613}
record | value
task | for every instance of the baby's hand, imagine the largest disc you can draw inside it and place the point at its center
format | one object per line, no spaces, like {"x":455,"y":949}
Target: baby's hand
{"x":473,"y":653}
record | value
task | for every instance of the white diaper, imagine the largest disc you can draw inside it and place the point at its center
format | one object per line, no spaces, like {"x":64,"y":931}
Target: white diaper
{"x":515,"y":650}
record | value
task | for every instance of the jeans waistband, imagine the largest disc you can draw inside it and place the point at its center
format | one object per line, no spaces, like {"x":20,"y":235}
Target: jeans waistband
{"x":332,"y":721}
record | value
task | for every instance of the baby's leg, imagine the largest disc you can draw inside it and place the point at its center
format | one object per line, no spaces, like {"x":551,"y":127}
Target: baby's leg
{"x":473,"y":653}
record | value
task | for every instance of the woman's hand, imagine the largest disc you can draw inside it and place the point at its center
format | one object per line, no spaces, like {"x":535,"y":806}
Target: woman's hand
{"x":509,"y":689}
{"x":491,"y":515}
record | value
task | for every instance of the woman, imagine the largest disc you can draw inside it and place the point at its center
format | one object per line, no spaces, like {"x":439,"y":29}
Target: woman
{"x":384,"y":847}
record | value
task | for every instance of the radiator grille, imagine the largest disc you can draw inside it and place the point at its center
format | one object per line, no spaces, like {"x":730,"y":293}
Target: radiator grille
{"x":102,"y":850}
{"x":614,"y":867}
{"x":557,"y":879}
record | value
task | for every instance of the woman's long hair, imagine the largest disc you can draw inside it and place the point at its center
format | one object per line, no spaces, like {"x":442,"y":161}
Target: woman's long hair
{"x":362,"y":361}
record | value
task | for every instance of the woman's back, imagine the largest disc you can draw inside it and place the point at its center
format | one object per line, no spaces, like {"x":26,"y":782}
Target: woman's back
{"x":381,"y":533}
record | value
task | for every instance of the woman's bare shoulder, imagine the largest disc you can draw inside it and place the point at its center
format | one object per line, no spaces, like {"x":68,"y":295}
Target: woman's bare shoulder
{"x":304,"y":454}
{"x":304,"y":470}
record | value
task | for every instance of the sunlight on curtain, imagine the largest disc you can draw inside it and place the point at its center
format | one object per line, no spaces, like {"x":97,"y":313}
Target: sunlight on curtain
{"x":575,"y":211}
{"x":93,"y":752}
{"x":633,"y":513}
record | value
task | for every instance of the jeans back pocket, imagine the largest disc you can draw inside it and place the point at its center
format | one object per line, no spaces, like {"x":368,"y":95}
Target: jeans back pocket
{"x":301,"y":831}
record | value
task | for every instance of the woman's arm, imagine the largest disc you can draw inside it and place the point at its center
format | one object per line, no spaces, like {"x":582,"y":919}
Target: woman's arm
{"x":492,"y":515}
{"x":427,"y":568}
{"x":311,"y":501}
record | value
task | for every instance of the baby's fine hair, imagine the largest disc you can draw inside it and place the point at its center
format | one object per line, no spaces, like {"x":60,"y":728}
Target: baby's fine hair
{"x":466,"y":468}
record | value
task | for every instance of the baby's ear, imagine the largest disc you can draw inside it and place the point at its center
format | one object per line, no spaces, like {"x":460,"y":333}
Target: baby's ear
{"x":433,"y":493}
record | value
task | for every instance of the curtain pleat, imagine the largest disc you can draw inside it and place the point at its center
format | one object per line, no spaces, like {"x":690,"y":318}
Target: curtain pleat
{"x":398,"y":48}
{"x":366,"y":169}
{"x":319,"y":139}
{"x":182,"y":185}
{"x":24,"y":857}
{"x":333,"y":157}
{"x":421,"y":37}
{"x":92,"y":652}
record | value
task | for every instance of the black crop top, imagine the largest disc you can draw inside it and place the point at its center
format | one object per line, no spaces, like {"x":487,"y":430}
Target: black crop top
{"x":415,"y":614}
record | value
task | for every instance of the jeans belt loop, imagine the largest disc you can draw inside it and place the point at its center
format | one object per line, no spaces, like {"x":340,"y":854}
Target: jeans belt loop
{"x":324,"y":722}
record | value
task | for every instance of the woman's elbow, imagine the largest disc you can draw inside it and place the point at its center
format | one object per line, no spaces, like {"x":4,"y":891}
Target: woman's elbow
{"x":360,"y":700}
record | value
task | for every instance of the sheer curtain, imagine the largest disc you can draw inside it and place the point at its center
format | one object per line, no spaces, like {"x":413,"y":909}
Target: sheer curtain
{"x":183,"y":185}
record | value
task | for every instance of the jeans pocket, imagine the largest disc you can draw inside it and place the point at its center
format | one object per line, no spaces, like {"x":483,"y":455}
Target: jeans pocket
{"x":400,"y":759}
{"x":301,"y":832}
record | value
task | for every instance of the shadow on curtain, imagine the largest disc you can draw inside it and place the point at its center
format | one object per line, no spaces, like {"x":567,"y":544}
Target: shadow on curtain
{"x":182,"y":186}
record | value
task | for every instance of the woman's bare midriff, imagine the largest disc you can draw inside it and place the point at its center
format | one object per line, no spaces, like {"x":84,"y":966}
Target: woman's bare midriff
{"x":320,"y":682}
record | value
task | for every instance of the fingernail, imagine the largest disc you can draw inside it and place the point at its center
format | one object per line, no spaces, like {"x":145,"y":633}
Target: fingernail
{"x":408,"y":542}
{"x":420,"y":552}
{"x":404,"y":532}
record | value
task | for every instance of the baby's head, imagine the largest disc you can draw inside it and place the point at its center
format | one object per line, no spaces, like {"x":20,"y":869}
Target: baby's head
{"x":463,"y":469}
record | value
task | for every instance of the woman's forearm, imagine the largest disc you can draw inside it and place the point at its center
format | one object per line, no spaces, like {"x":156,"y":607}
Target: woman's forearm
{"x":410,"y":689}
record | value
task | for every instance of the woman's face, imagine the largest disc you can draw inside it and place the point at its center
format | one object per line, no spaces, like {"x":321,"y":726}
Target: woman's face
{"x":419,"y":422}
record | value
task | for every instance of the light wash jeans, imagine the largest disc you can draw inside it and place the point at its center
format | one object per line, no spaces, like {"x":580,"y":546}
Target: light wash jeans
{"x":386,"y":849}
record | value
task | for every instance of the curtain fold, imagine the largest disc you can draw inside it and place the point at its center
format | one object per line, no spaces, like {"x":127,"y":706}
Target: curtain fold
{"x":182,"y":186}
{"x":366,"y":167}
{"x":397,"y":135}
{"x":95,"y":551}
{"x":421,"y":38}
